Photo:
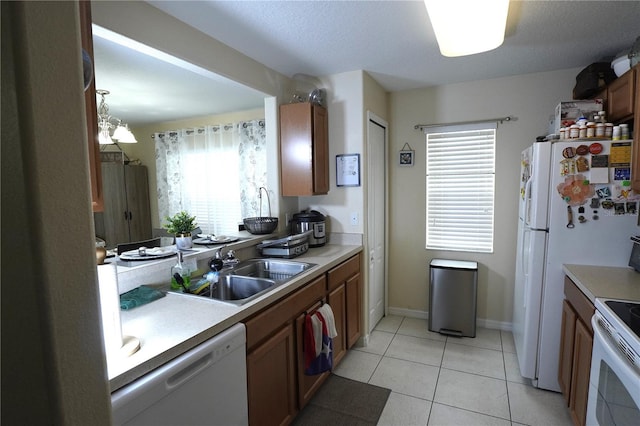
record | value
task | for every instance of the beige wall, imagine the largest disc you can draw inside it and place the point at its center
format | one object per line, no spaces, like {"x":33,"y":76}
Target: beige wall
{"x":346,"y":136}
{"x":531,"y":99}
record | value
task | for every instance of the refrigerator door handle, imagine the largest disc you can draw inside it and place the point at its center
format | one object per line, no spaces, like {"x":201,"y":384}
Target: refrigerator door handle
{"x":527,"y":196}
{"x":523,"y":262}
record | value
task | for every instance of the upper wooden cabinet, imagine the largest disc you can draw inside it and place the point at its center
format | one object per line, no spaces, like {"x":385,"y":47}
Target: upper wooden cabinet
{"x":621,"y":97}
{"x":635,"y":160}
{"x":304,"y":149}
{"x":86,"y":35}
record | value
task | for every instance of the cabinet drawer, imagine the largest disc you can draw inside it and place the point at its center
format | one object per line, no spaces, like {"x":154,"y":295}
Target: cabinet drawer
{"x":582,"y":305}
{"x":269,"y":320}
{"x":339,"y":274}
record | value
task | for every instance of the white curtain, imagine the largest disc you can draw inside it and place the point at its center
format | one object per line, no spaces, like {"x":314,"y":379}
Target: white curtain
{"x":209,"y":171}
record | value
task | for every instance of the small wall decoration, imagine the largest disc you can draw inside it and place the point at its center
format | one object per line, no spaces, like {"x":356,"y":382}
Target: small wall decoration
{"x":407,"y":156}
{"x":348,"y":170}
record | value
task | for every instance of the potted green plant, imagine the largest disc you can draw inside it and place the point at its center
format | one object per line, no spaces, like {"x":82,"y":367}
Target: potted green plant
{"x":181,"y":225}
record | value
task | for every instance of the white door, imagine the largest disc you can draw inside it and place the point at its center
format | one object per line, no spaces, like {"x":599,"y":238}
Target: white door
{"x":376,"y":217}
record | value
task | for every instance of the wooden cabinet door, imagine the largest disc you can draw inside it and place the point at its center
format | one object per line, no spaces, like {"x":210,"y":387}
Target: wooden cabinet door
{"x":307,"y":385}
{"x":579,"y":395}
{"x":320,"y":150}
{"x":139,"y":211}
{"x":620,"y":97}
{"x":353,"y":288}
{"x":635,"y":160}
{"x":337,"y":300}
{"x":271,"y":380}
{"x":86,"y":36}
{"x":566,"y":349}
{"x":116,"y":216}
{"x":304,"y":150}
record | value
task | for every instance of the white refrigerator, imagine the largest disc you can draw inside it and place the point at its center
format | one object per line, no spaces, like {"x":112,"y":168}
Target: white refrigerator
{"x":575,"y":208}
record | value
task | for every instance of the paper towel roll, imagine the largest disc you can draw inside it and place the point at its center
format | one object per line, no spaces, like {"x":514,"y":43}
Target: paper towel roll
{"x":110,"y":307}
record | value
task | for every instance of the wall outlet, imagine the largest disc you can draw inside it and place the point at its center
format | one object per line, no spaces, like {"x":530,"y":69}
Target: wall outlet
{"x":354,"y":218}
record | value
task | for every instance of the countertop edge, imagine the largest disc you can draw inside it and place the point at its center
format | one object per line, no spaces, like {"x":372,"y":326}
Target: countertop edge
{"x":237,"y":314}
{"x":609,"y":282}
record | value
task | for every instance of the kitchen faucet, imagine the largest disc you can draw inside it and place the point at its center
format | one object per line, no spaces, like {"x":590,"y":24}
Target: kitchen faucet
{"x":218,"y":262}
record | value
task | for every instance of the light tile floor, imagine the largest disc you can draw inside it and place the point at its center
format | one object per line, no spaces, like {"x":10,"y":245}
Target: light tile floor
{"x":439,"y":380}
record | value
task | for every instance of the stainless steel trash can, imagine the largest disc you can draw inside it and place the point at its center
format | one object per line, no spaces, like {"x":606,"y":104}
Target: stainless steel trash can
{"x":453,"y":293}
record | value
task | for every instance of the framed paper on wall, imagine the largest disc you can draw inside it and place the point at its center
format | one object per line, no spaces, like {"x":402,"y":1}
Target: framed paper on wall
{"x":406,"y":158}
{"x":348,"y":170}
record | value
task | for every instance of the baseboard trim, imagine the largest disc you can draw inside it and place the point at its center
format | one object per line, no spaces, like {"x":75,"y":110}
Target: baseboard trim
{"x":480,"y":322}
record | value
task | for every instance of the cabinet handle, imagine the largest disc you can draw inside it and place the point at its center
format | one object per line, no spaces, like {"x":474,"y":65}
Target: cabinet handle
{"x":126,"y":217}
{"x":130,"y":216}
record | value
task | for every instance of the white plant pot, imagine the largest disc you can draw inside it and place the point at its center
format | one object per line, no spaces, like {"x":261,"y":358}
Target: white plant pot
{"x":184,"y":241}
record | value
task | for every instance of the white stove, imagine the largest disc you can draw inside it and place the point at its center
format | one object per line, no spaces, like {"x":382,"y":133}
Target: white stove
{"x":614,"y":383}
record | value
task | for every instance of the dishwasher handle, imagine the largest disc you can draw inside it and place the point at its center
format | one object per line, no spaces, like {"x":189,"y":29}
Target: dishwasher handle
{"x":189,"y":371}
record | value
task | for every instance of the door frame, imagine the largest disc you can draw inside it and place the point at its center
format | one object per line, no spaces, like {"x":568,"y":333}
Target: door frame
{"x":373,"y":118}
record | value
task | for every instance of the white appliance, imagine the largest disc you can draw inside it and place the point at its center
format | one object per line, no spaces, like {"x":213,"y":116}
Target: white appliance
{"x":555,"y":229}
{"x":614,"y":383}
{"x":204,"y":386}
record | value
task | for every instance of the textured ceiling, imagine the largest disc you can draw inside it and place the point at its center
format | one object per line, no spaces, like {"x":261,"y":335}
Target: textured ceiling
{"x":394,"y":42}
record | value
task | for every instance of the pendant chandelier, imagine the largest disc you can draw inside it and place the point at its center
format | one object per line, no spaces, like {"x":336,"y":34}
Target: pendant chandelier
{"x":106,"y":123}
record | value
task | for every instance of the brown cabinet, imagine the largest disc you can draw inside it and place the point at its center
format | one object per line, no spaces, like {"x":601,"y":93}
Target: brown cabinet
{"x":635,"y":160}
{"x":579,"y":394}
{"x":127,"y":215}
{"x":304,"y":149}
{"x":347,"y":275}
{"x":337,"y":299}
{"x":277,"y":385}
{"x":272,"y":345}
{"x":307,"y":385}
{"x":86,"y":36}
{"x":271,"y":380}
{"x":621,"y":97}
{"x":576,"y":343}
{"x":354,"y":309}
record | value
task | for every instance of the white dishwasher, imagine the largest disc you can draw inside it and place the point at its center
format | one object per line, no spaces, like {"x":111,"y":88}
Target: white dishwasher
{"x":205,"y":386}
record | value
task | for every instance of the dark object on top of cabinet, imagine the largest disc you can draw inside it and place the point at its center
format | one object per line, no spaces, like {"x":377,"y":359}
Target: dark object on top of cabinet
{"x":592,"y":79}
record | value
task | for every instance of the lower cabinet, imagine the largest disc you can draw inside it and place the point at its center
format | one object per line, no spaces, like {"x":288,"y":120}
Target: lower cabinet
{"x":277,"y":385}
{"x":353,"y":287}
{"x":576,"y":343}
{"x":337,"y":299}
{"x":307,"y":385}
{"x":271,"y":380}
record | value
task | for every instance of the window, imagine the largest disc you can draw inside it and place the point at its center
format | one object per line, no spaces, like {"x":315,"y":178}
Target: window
{"x":460,"y":188}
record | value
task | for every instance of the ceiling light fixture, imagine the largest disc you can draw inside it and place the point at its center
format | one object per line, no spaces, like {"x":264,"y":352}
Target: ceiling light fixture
{"x":121,"y":133}
{"x":466,"y":27}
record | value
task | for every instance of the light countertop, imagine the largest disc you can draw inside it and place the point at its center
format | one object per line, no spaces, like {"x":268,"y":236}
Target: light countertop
{"x":176,"y":323}
{"x":605,"y":281}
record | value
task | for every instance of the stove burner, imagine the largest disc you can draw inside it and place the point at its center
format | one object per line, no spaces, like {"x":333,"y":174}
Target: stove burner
{"x":628,"y":312}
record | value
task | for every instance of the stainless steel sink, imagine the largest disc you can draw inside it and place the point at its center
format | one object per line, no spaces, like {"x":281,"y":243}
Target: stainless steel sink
{"x":252,"y":278}
{"x":273,"y":269}
{"x":238,"y":289}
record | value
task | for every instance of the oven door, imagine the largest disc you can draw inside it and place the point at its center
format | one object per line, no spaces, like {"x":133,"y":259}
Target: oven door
{"x":614,"y":388}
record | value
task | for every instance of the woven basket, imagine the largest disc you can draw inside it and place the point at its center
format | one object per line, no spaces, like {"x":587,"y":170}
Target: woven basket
{"x":260,"y":225}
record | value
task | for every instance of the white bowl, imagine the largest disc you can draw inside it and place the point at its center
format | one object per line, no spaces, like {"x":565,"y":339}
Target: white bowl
{"x":621,"y":64}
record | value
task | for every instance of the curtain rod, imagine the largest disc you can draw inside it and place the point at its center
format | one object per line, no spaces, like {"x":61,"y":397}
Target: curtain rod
{"x":490,"y":120}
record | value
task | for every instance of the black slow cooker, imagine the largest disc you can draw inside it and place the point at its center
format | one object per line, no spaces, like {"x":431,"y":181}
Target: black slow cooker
{"x":310,"y":221}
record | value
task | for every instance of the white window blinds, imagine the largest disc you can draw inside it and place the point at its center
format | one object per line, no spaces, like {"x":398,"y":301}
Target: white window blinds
{"x":460,"y":189}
